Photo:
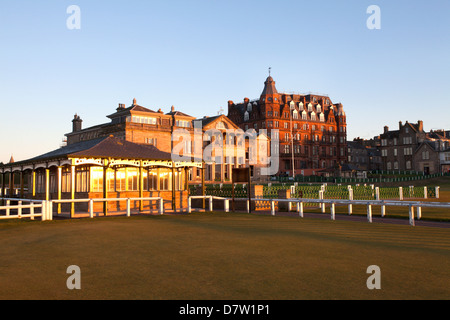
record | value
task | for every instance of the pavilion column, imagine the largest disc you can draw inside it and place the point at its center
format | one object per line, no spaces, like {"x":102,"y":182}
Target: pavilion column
{"x":173,"y":187}
{"x":141,"y":187}
{"x":47,"y":184}
{"x":21,"y":185}
{"x":203,"y":184}
{"x":11,"y":183}
{"x":3,"y":187}
{"x":33,"y":183}
{"x":59,"y":178}
{"x":186,"y":178}
{"x":72,"y":191}
{"x":105,"y":187}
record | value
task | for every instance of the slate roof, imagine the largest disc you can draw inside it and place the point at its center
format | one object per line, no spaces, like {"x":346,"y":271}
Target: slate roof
{"x":105,"y":147}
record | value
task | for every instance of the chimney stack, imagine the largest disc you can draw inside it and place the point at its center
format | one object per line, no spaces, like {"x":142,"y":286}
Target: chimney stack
{"x":76,"y":123}
{"x":386,"y":129}
{"x":420,"y":123}
{"x":400,"y":124}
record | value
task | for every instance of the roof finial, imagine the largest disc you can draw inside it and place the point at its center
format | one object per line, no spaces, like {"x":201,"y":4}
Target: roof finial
{"x":270,"y":69}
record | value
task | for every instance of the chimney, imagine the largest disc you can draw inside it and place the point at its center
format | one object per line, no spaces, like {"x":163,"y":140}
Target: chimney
{"x":386,"y":129}
{"x":173,"y":109}
{"x":420,"y":123}
{"x":76,"y":123}
{"x":400,"y":124}
{"x":121,"y":107}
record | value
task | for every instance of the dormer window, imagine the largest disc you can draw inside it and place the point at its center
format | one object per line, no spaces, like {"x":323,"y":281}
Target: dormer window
{"x":300,"y":106}
{"x":246,"y":116}
{"x":309,"y":107}
{"x":322,"y":117}
{"x":319,"y":108}
{"x":249,"y":107}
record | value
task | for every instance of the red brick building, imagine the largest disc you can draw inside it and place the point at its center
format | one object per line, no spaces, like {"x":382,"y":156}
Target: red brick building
{"x":311,"y":129}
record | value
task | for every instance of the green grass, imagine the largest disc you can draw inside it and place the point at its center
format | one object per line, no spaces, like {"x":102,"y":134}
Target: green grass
{"x":222,"y":256}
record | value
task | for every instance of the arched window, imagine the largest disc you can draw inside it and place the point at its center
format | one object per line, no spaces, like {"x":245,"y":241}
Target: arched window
{"x":246,"y":116}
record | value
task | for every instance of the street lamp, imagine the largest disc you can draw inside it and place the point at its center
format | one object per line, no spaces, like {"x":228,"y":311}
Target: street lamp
{"x":292,"y":108}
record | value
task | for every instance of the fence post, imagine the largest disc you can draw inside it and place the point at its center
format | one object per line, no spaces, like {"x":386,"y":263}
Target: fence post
{"x":128,"y":207}
{"x":44,"y":210}
{"x":400,"y":193}
{"x":437,"y":192}
{"x":383,"y":210}
{"x":425,"y":193}
{"x":333,"y":215}
{"x":8,"y":202}
{"x":369,"y":212}
{"x":411,"y":215}
{"x":419,"y":213}
{"x":300,"y":209}
{"x":32,"y":211}
{"x":272,"y":207}
{"x":226,"y":205}
{"x":377,"y":193}
{"x":322,"y":204}
{"x":91,"y":208}
{"x":161,"y":206}
{"x":248,"y":205}
{"x":50,"y":210}
{"x":189,"y":205}
{"x":19,"y":209}
{"x":210,"y":203}
{"x":350,"y":197}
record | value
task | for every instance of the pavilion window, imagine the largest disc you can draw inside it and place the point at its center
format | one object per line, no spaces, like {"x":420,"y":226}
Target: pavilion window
{"x":40,"y":181}
{"x":66,"y":180}
{"x":132,"y":179}
{"x":82,"y":179}
{"x":110,"y":180}
{"x":96,"y":179}
{"x":165,"y":180}
{"x":53,"y":183}
{"x":121,"y":179}
{"x":150,"y":180}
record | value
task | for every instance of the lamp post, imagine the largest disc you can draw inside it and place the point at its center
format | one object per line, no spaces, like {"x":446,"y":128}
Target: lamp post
{"x":292,"y":107}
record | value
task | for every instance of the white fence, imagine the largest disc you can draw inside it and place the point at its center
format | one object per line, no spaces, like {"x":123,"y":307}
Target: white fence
{"x":43,"y":209}
{"x":46,"y":208}
{"x":322,"y":203}
{"x":26,"y":208}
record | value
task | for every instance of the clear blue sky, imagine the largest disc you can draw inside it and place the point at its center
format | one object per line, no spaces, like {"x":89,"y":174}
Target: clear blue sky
{"x":198,"y":54}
